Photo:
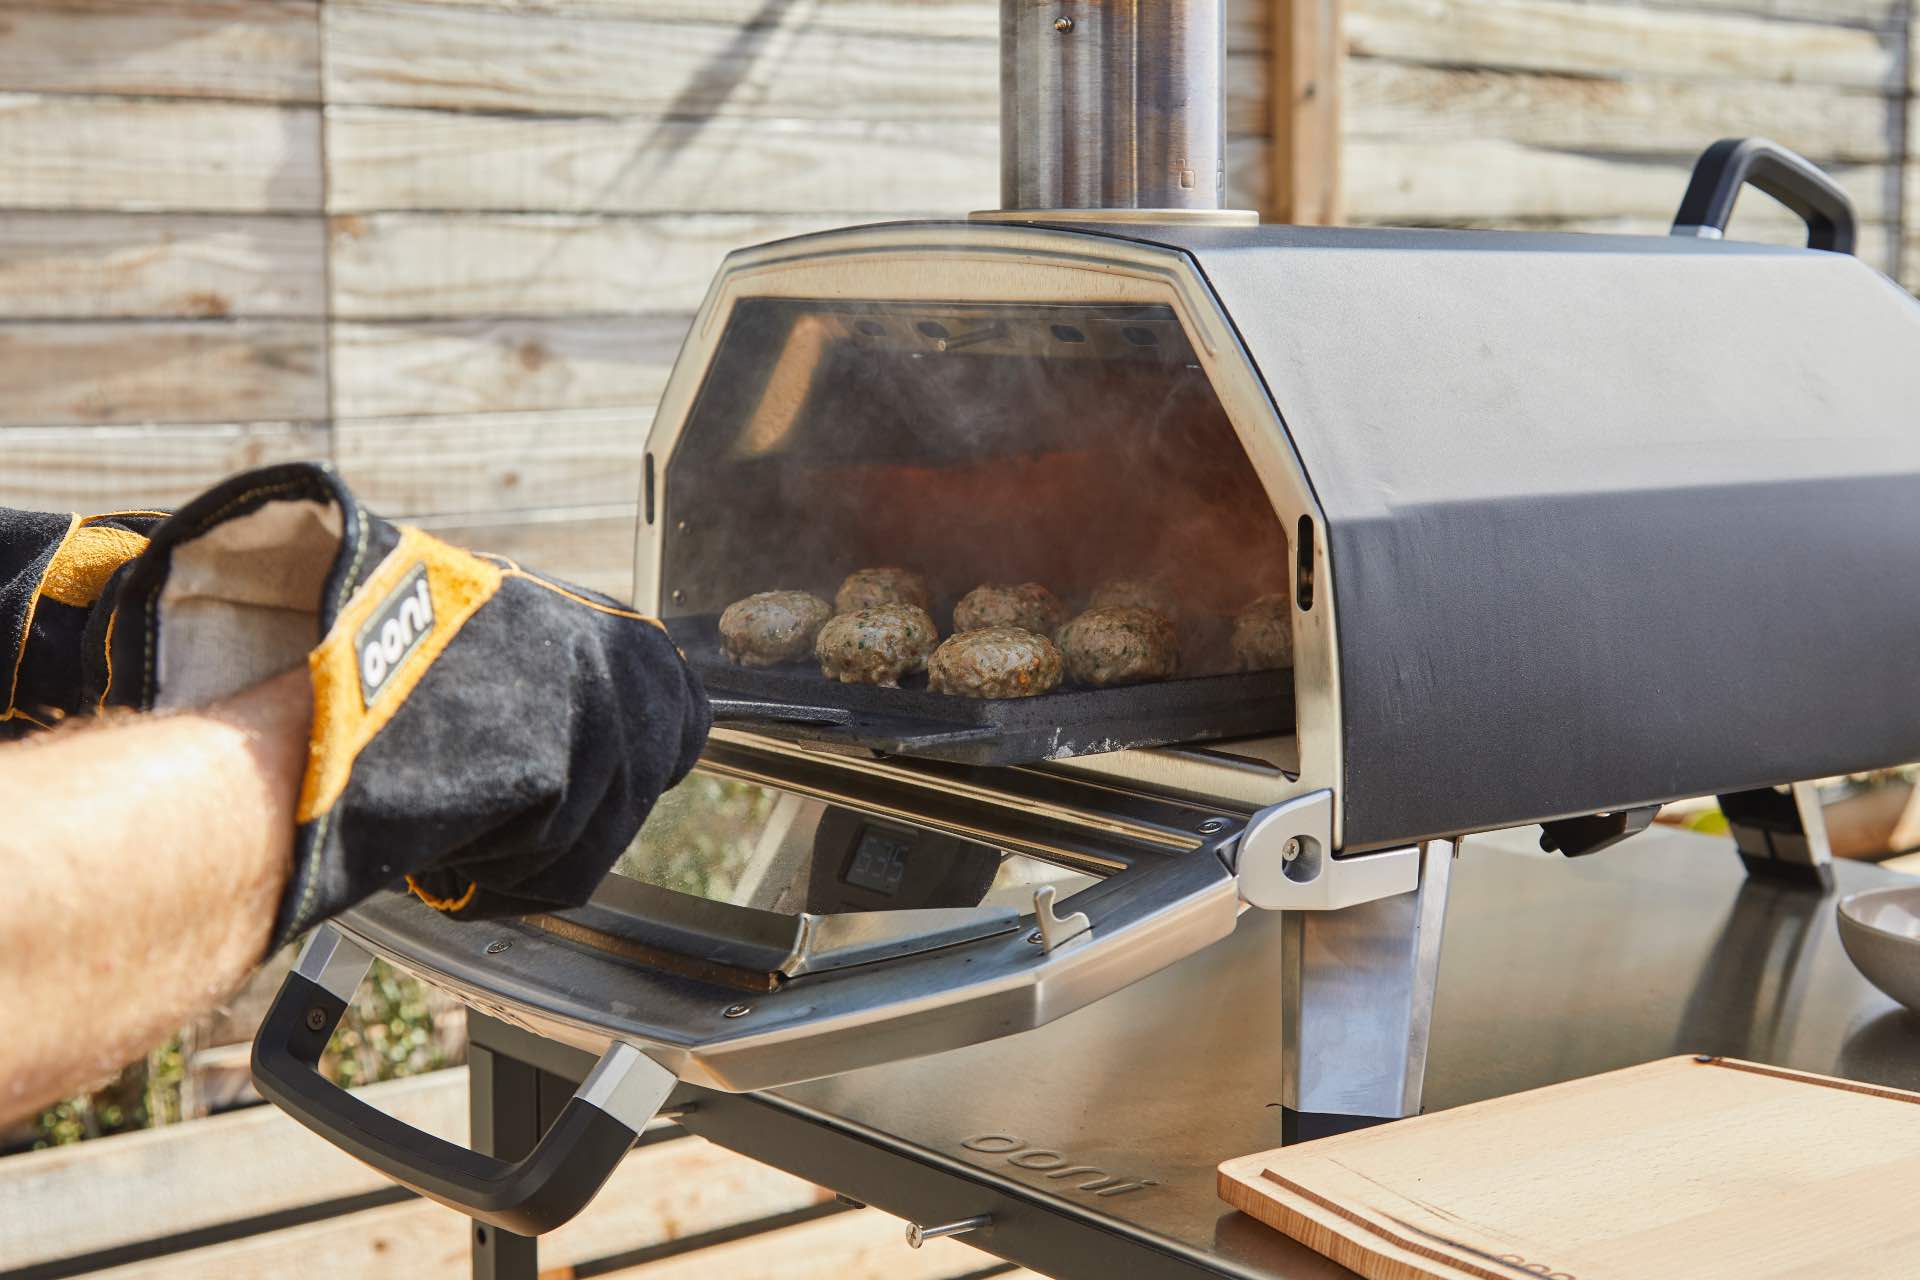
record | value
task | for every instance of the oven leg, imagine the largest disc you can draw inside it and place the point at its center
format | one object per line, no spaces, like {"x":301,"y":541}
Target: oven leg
{"x":503,"y":1109}
{"x":1782,"y":837}
{"x":1357,"y":992}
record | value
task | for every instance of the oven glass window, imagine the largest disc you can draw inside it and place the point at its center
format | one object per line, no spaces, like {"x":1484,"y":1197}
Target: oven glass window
{"x":1064,"y":444}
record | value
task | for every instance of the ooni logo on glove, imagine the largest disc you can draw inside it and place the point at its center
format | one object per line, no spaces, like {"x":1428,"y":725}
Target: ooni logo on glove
{"x":403,"y":620}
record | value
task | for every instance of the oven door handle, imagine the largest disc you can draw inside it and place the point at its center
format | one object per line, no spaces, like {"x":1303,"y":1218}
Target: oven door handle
{"x":551,"y":1184}
{"x":1787,"y":176}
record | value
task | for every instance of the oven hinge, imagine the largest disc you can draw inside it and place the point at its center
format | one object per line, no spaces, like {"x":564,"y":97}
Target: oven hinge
{"x":1285,"y":861}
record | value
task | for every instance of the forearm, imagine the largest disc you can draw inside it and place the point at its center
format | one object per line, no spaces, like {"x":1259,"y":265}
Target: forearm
{"x":140,"y":864}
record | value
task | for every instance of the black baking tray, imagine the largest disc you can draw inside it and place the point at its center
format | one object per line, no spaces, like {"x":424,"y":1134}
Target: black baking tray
{"x":794,"y":701}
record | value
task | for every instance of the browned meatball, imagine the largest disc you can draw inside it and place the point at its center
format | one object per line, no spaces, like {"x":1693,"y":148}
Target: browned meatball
{"x":1121,"y":644}
{"x":1263,"y":635}
{"x":876,"y":646}
{"x":772,"y":627}
{"x":994,"y":662}
{"x":1028,"y":605}
{"x":1133,"y":591}
{"x":870,"y":588}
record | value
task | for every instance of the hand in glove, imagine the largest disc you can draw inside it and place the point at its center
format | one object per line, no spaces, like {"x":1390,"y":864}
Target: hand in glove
{"x":492,"y":735}
{"x":53,"y":569}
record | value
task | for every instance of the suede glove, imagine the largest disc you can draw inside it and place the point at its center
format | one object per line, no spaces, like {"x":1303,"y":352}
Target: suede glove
{"x":53,"y":573}
{"x":492,"y":736}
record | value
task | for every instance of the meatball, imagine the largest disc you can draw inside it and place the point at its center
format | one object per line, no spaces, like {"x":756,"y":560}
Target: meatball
{"x":1120,"y":644}
{"x":871,"y":588}
{"x":772,"y":627}
{"x":1028,"y":606}
{"x":876,"y":646}
{"x":1133,"y":591}
{"x":1263,"y":635}
{"x":994,"y":662}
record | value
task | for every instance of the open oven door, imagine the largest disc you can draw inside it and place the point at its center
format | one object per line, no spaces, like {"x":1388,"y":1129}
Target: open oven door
{"x":780,"y":919}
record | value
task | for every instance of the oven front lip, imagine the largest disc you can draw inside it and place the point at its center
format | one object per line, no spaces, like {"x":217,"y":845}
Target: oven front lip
{"x":822,"y":1024}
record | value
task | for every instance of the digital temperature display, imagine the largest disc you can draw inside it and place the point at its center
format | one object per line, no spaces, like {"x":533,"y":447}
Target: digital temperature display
{"x":879,"y":863}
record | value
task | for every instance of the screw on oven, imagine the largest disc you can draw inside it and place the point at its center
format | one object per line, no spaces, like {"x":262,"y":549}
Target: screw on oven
{"x":918,"y":1235}
{"x":1213,"y":826}
{"x":1063,"y":25}
{"x":495,"y":947}
{"x":736,"y":1010}
{"x":316,"y":1019}
{"x":1290,"y":850}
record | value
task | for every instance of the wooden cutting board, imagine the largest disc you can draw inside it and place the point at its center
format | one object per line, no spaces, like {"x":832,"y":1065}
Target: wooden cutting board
{"x":1686,"y":1167}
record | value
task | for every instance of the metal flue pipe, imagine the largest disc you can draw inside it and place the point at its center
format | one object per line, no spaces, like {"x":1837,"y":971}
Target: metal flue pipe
{"x":1112,"y":104}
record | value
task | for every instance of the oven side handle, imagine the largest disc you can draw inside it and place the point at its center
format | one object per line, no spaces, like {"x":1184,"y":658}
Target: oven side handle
{"x":554,"y":1181}
{"x":1787,"y":176}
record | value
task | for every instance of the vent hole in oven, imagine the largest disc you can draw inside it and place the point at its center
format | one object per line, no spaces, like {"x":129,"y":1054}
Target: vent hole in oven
{"x":1303,"y":568}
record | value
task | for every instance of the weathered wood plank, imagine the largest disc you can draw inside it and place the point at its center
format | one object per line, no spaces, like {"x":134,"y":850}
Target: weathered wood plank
{"x":410,"y":55}
{"x":427,"y":265}
{"x":1407,"y":103}
{"x":263,"y":50}
{"x":1246,"y":19}
{"x":1607,"y":39}
{"x":399,"y":55}
{"x":1438,"y":182}
{"x":1307,"y":84}
{"x":67,"y":1201}
{"x":404,"y":369}
{"x":1883,"y":14}
{"x":108,"y":371}
{"x":60,"y":152}
{"x":863,"y":1245}
{"x":111,"y":265}
{"x":395,"y":159}
{"x":494,"y":462}
{"x":398,"y":159}
{"x":591,"y":546}
{"x":111,"y":468}
{"x":660,"y":1192}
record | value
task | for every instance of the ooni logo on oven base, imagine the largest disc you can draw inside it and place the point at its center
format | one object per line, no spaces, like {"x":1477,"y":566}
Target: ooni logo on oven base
{"x":1049,"y":1163}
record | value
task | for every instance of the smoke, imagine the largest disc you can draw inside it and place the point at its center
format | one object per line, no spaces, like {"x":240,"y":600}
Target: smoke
{"x":1060,"y":445}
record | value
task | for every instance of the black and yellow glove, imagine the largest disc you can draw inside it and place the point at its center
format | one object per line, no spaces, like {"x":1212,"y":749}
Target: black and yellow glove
{"x":54,"y":571}
{"x":492,"y":736}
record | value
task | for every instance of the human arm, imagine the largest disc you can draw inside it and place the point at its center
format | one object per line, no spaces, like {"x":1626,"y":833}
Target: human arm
{"x":141,"y":861}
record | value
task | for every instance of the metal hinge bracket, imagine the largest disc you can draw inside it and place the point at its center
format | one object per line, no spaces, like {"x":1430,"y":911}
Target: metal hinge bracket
{"x":1286,"y":861}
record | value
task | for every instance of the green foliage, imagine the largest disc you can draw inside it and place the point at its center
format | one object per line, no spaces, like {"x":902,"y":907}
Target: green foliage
{"x":392,"y":1029}
{"x":143,"y":1094}
{"x":700,"y":836}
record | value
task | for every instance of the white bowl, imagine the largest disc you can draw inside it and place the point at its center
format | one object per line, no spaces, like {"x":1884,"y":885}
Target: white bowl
{"x":1880,"y":929}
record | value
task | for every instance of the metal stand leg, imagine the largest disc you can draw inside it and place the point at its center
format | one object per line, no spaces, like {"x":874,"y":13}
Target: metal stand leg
{"x":1358,"y":991}
{"x":503,"y":1108}
{"x":1782,"y":837}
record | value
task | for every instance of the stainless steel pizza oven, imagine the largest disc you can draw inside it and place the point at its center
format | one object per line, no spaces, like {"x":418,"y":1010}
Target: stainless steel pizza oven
{"x":1569,"y":527}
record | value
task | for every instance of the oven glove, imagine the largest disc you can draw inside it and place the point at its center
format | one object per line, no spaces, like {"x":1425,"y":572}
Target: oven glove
{"x":491,"y":736}
{"x":53,"y":573}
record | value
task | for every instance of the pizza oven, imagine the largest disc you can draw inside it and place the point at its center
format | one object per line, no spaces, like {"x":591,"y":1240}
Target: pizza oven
{"x":1566,"y":527}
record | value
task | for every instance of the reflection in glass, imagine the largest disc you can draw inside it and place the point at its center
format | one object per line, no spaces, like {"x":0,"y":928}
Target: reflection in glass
{"x":750,"y":846}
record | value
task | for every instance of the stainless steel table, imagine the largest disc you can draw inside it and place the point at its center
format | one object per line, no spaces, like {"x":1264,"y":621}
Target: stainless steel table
{"x":1551,"y":969}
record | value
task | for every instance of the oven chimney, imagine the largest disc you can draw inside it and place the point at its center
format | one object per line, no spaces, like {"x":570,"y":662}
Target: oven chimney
{"x":1114,"y":107}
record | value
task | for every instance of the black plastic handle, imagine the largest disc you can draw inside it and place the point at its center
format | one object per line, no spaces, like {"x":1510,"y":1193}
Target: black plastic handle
{"x":1787,"y":176}
{"x":551,"y":1184}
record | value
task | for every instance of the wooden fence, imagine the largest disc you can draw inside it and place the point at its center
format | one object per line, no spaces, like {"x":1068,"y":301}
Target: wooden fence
{"x":253,"y":1196}
{"x":454,"y":244}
